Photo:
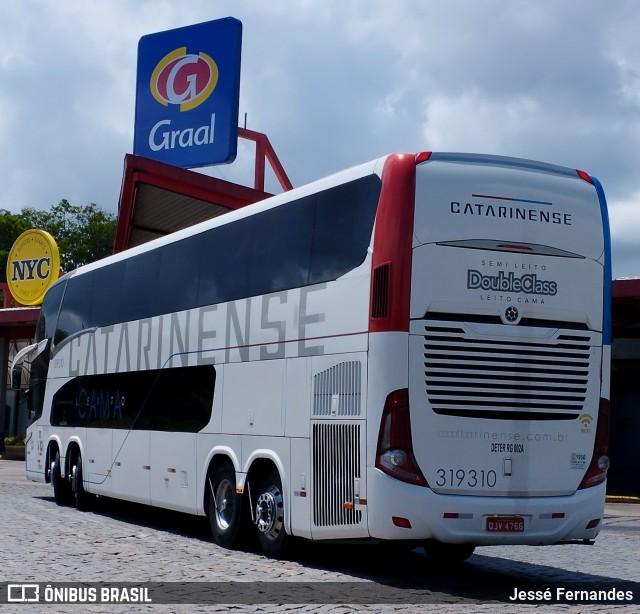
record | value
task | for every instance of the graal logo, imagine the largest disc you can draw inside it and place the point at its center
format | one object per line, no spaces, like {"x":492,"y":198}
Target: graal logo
{"x":183,"y":79}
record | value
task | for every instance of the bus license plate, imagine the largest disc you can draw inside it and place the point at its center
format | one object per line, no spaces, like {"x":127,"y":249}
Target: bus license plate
{"x":505,"y":524}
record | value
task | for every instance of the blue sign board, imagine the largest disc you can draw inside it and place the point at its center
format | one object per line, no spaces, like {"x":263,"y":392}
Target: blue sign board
{"x":188,"y":86}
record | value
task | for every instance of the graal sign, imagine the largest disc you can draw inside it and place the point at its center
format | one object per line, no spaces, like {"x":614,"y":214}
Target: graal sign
{"x":32,"y":266}
{"x":187,"y":92}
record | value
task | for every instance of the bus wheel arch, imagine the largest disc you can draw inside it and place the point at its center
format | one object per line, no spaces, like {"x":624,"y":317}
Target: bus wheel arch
{"x":268,"y":507}
{"x":223,"y":504}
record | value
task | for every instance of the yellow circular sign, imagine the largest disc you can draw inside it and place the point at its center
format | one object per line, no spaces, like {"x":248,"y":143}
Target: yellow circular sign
{"x":32,"y":266}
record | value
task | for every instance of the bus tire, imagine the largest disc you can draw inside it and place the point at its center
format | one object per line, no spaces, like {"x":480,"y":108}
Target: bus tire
{"x":447,"y":554}
{"x":61,"y":487}
{"x":81,"y":496}
{"x":47,"y":467}
{"x":225,"y":507}
{"x":269,"y":516}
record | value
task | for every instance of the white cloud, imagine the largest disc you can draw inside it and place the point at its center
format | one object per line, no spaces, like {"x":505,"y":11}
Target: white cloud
{"x":474,"y":123}
{"x":333,"y":84}
{"x":624,"y":219}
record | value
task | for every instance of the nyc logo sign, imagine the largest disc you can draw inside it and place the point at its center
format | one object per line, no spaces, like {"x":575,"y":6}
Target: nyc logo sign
{"x":187,"y":93}
{"x":33,"y":265}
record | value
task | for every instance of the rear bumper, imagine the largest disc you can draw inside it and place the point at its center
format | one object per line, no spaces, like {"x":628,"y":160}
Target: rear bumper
{"x":462,"y":519}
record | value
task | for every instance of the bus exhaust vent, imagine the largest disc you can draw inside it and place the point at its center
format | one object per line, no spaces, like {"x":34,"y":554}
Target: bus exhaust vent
{"x":336,"y":468}
{"x":380,"y":292}
{"x":337,"y":391}
{"x":490,"y":376}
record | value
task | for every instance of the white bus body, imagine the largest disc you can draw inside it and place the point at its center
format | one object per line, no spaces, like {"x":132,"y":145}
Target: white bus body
{"x":413,"y":349}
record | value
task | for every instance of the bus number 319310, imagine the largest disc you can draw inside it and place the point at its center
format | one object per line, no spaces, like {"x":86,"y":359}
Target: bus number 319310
{"x":473,"y":478}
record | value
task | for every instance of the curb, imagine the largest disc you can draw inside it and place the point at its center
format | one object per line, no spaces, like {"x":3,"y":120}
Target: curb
{"x":621,"y":499}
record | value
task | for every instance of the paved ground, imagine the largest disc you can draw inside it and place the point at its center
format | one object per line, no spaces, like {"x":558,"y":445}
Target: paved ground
{"x":44,"y":543}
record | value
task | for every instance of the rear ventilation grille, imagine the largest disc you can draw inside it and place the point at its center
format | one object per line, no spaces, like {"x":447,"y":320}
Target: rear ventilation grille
{"x":337,"y":391}
{"x":336,"y":467}
{"x":490,"y":376}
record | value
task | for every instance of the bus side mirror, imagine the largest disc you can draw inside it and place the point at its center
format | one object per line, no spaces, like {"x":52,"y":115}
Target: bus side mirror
{"x":16,"y":376}
{"x":18,"y":380}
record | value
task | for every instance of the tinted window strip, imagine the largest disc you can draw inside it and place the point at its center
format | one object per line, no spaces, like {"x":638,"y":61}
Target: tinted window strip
{"x":315,"y":239}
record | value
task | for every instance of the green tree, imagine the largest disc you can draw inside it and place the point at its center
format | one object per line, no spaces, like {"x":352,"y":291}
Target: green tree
{"x":83,"y":233}
{"x":12,"y":225}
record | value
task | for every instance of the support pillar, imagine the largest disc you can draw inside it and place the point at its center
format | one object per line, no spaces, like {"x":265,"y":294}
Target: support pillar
{"x":4,"y":370}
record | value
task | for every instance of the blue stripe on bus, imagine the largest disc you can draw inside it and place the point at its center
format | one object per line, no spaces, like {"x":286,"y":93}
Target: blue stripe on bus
{"x":606,"y":316}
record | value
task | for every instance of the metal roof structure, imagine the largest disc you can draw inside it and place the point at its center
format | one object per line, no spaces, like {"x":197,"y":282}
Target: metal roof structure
{"x":157,"y":199}
{"x":625,"y":294}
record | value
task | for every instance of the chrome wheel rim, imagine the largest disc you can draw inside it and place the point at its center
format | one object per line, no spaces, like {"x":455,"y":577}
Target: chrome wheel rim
{"x":224,"y":505}
{"x":269,"y":516}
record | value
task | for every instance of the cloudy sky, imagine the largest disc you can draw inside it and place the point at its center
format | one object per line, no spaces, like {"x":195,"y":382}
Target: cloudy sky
{"x":334,"y":83}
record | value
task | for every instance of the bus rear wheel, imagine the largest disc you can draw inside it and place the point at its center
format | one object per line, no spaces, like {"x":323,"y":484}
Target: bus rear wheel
{"x":225,"y":507}
{"x":447,"y":554}
{"x":81,"y":496}
{"x":61,"y":487}
{"x":269,"y":516}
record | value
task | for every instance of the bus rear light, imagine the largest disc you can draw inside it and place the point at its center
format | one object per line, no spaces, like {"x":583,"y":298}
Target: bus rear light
{"x":403,"y":523}
{"x":397,"y":458}
{"x":516,"y":247}
{"x":592,"y":524}
{"x":584,"y":176}
{"x":552,"y":516}
{"x":599,"y":465}
{"x":394,"y":455}
{"x":456,"y":516}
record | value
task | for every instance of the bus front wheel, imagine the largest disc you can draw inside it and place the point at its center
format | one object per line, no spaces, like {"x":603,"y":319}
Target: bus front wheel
{"x":225,"y":507}
{"x":269,"y":516}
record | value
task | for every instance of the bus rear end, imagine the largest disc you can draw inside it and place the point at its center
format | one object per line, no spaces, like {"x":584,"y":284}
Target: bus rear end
{"x":508,"y":356}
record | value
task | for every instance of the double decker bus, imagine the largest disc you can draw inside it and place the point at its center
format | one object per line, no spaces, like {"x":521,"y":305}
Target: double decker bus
{"x":415,"y":349}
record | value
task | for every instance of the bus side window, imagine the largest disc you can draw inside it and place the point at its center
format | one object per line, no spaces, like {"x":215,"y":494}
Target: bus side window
{"x":75,"y":314}
{"x":343,"y":228}
{"x":107,"y":299}
{"x":224,"y":263}
{"x":179,"y":272}
{"x":139,"y":289}
{"x":281,"y":247}
{"x":46,"y":327}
